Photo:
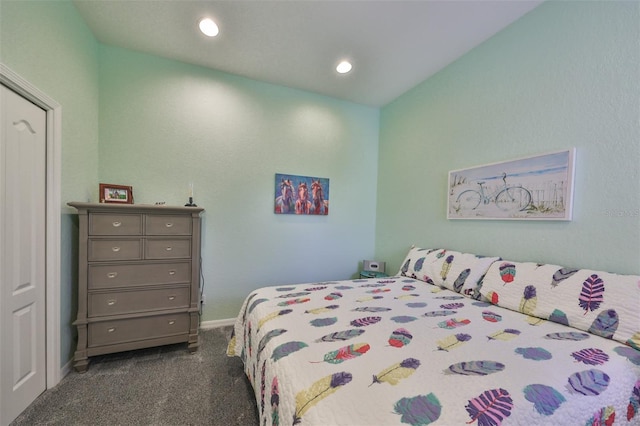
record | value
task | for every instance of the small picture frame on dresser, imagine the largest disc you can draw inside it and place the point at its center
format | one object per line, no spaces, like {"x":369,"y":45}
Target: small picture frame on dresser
{"x":120,"y":194}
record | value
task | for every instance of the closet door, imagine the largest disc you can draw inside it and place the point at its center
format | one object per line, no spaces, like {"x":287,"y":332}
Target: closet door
{"x":22,"y":253}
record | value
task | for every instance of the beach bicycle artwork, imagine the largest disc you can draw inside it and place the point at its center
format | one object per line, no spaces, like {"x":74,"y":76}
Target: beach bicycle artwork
{"x":538,"y":187}
{"x":508,"y":198}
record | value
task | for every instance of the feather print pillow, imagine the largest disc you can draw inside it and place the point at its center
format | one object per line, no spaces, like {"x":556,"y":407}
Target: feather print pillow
{"x":601,"y":303}
{"x":456,"y":271}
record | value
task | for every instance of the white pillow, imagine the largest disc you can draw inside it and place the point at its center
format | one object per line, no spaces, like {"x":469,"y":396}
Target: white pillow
{"x":456,"y":271}
{"x":599,"y":302}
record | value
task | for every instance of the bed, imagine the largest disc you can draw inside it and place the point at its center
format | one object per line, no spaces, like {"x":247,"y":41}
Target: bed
{"x":453,"y":339}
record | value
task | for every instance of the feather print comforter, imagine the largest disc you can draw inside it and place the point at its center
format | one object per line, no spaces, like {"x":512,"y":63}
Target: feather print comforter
{"x":401,"y":351}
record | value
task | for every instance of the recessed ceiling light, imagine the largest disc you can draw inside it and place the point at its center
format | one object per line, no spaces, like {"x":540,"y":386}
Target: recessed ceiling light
{"x":208,"y":27}
{"x":344,"y":67}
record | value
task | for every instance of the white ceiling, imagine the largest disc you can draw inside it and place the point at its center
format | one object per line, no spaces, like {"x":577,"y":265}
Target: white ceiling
{"x":393,"y":45}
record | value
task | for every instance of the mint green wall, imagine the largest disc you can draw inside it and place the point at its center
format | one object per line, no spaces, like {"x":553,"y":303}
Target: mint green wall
{"x":164,"y":124}
{"x":566,"y":74}
{"x":48,"y":44}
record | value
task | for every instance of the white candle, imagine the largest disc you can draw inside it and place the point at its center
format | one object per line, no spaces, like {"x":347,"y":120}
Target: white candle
{"x":191,"y":190}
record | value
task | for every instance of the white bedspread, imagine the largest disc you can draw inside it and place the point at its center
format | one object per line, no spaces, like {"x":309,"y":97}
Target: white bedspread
{"x":398,"y":350}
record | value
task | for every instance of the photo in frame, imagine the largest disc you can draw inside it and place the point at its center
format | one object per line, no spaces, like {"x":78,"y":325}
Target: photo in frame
{"x":301,"y":195}
{"x":538,"y":187}
{"x":110,"y":193}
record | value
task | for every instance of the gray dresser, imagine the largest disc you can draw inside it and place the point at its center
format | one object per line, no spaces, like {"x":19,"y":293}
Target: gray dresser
{"x":138,"y":278}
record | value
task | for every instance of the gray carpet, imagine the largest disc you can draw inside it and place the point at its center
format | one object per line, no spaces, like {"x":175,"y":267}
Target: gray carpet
{"x":157,"y":386}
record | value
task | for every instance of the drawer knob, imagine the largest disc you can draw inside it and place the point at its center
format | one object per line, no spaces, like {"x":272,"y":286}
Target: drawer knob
{"x":111,"y":329}
{"x":168,"y":224}
{"x":112,"y":274}
{"x":115,"y":249}
{"x":172,"y":272}
{"x":172,"y":297}
{"x":171,"y":322}
{"x":111,"y":302}
{"x":169,"y":248}
{"x":116,"y":224}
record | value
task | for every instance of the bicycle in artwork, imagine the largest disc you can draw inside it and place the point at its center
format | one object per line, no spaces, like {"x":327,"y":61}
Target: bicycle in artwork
{"x":508,"y":198}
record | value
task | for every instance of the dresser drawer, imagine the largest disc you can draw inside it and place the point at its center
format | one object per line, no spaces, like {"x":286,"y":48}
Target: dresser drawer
{"x":115,"y":224}
{"x":128,"y":275}
{"x":100,"y":250}
{"x":124,"y":302}
{"x":128,"y":330}
{"x":175,"y":248}
{"x":167,"y":225}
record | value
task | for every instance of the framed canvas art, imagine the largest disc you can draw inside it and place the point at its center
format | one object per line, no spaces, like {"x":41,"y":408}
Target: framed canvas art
{"x":301,"y":195}
{"x":539,"y":187}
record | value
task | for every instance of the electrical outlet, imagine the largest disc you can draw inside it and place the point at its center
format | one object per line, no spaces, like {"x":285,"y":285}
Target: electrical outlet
{"x":203,"y":300}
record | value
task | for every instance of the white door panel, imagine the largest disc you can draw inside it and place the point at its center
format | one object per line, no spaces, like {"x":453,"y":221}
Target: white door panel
{"x":22,"y":253}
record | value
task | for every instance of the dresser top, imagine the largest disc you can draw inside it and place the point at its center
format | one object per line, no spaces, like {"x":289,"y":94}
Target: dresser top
{"x":133,"y":208}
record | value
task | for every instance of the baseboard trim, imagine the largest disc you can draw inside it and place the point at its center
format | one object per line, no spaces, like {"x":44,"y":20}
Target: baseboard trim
{"x":66,"y":369}
{"x":207,"y":325}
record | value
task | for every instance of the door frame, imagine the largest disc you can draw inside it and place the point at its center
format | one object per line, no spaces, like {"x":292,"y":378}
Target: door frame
{"x":53,"y":214}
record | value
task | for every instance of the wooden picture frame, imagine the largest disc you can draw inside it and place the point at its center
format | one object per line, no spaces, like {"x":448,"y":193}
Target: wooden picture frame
{"x":120,"y":194}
